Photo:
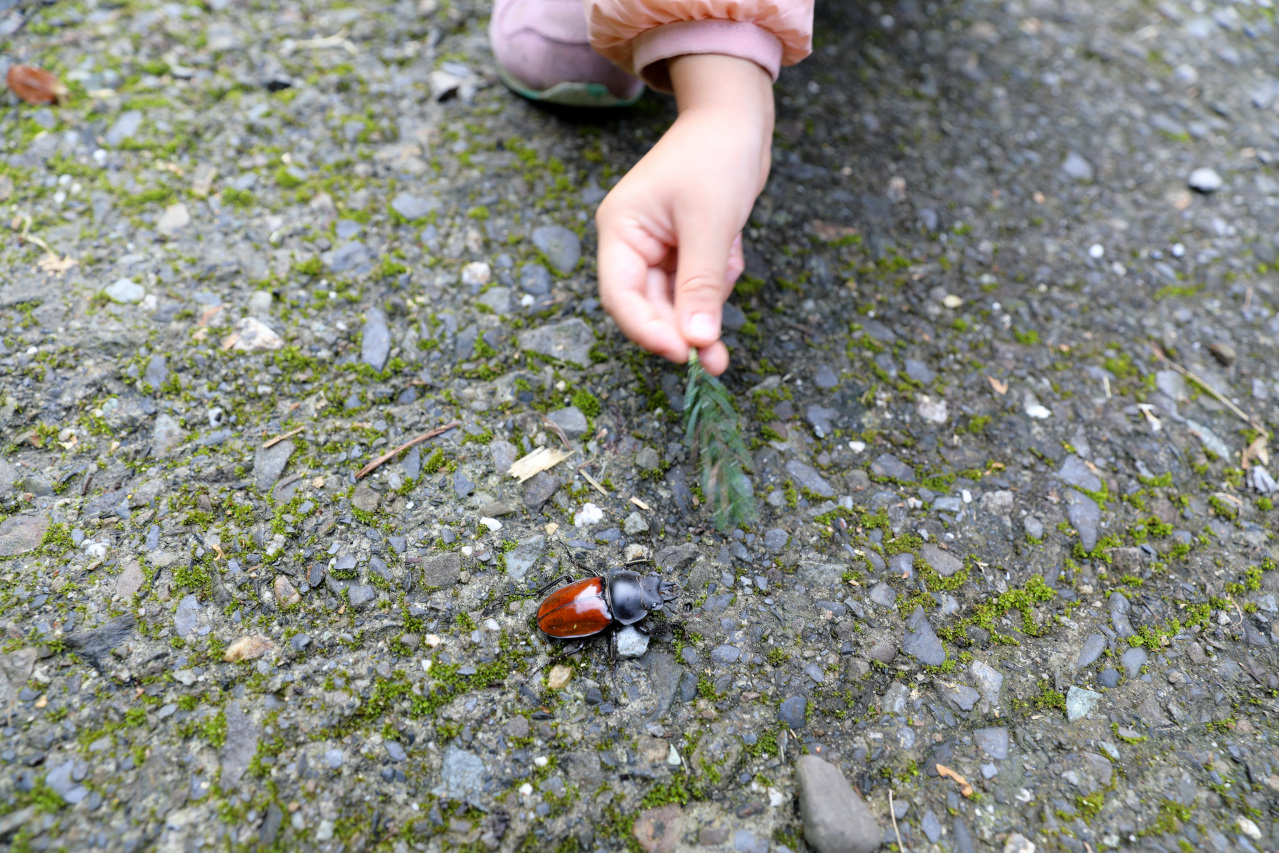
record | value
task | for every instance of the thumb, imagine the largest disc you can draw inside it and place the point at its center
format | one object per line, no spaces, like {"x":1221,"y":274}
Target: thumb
{"x":701,"y":280}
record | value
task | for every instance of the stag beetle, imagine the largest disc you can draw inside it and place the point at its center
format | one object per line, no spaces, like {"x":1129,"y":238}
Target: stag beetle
{"x":588,"y":607}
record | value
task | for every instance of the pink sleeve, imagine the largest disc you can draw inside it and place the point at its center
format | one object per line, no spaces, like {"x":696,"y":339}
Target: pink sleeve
{"x":640,"y":35}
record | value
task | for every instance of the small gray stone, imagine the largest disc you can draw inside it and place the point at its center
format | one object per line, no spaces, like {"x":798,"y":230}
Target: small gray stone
{"x":1093,"y":647}
{"x":835,"y":819}
{"x":961,"y":697}
{"x":535,"y":279}
{"x":441,"y":570}
{"x":888,"y":465}
{"x":461,"y":775}
{"x":725,"y":654}
{"x":883,"y":595}
{"x":539,"y":488}
{"x":562,"y":247}
{"x":97,"y":642}
{"x":634,"y":524}
{"x":412,"y":207}
{"x":807,"y":477}
{"x":1108,"y":677}
{"x":825,"y":378}
{"x":462,"y":485}
{"x":1085,"y":516}
{"x":124,"y":128}
{"x":187,"y":617}
{"x":334,"y":758}
{"x":375,"y":346}
{"x":821,"y":419}
{"x":166,"y":436}
{"x":1075,"y":472}
{"x":353,"y":257}
{"x":22,"y":533}
{"x":793,"y":712}
{"x":504,"y":455}
{"x":394,"y":751}
{"x":815,"y":672}
{"x":631,"y":642}
{"x":569,"y":419}
{"x":921,"y":641}
{"x":361,"y":595}
{"x":990,"y":681}
{"x":775,"y":539}
{"x":1033,"y":527}
{"x":993,"y":741}
{"x":269,"y":464}
{"x":524,"y":556}
{"x":240,"y":746}
{"x":569,"y":341}
{"x":884,"y":651}
{"x":175,"y":218}
{"x":1133,"y":660}
{"x":60,"y":780}
{"x":1079,"y":701}
{"x":125,"y":291}
{"x":157,"y":371}
{"x":931,"y":826}
{"x":942,"y":562}
{"x":1205,"y":180}
{"x":1077,"y":167}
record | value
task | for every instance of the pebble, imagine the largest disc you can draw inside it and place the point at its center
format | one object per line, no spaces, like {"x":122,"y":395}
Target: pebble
{"x":1079,"y":702}
{"x":524,"y":556}
{"x":993,"y":741}
{"x":1108,"y":677}
{"x":570,"y":419}
{"x":792,"y":711}
{"x":1204,"y":180}
{"x":286,"y":594}
{"x":351,"y":257}
{"x":659,"y":830}
{"x":462,"y":485}
{"x":361,"y":595}
{"x":825,"y":378}
{"x":883,"y":651}
{"x":835,"y":819}
{"x":249,"y":647}
{"x":942,"y":562}
{"x":821,"y":419}
{"x":1018,"y":843}
{"x":413,"y":207}
{"x":807,"y":477}
{"x":1093,"y":647}
{"x":171,"y":223}
{"x":990,"y":681}
{"x":535,"y":279}
{"x":123,"y":128}
{"x":933,"y":411}
{"x":776,"y":539}
{"x":394,"y":751}
{"x":931,"y":826}
{"x":476,"y":274}
{"x":631,"y":642}
{"x":250,"y":334}
{"x":1085,"y":516}
{"x":375,"y":345}
{"x":570,"y":340}
{"x":961,"y":697}
{"x":1077,"y":166}
{"x":921,"y":641}
{"x":1133,"y":660}
{"x":269,"y":464}
{"x":187,"y":616}
{"x":888,"y":465}
{"x":461,"y":774}
{"x":125,"y":291}
{"x":22,"y":533}
{"x":561,"y":247}
{"x":1074,"y":472}
{"x":634,"y":524}
{"x":883,"y":595}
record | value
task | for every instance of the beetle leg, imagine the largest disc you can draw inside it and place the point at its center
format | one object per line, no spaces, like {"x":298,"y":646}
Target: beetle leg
{"x":556,"y":582}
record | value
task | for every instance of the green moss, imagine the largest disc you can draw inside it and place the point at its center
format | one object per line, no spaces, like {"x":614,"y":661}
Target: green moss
{"x":242,"y":199}
{"x":57,"y":539}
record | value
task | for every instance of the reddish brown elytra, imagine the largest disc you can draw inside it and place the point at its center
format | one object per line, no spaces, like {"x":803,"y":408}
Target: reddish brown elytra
{"x":576,"y":610}
{"x":34,"y":85}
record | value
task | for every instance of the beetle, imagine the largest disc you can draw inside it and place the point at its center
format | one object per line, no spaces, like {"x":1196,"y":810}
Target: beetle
{"x":590,"y":606}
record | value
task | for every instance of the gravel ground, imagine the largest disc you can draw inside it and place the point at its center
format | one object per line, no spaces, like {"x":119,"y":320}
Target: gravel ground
{"x":1004,"y":351}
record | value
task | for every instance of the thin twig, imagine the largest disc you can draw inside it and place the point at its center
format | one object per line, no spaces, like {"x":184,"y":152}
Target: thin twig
{"x":1246,"y":418}
{"x":892,"y":812}
{"x":274,"y":441}
{"x":386,"y":457}
{"x":592,"y":481}
{"x":564,"y":438}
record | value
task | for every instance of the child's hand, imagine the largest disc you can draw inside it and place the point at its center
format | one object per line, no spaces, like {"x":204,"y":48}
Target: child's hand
{"x":670,"y":245}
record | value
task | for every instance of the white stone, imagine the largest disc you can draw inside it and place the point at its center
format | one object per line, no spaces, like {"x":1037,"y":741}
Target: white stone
{"x":173,"y":220}
{"x":252,"y":335}
{"x":933,"y":411}
{"x":1205,"y":180}
{"x":125,"y":291}
{"x":589,"y":514}
{"x":491,"y":523}
{"x":476,"y":274}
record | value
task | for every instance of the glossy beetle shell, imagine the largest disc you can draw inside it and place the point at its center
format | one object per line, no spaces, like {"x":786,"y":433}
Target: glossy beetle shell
{"x":578,"y":610}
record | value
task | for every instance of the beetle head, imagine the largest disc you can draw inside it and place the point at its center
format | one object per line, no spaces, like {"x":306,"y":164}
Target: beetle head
{"x":655,"y":591}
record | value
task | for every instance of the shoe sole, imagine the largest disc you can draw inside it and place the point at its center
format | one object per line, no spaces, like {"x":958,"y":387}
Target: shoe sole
{"x":589,"y":95}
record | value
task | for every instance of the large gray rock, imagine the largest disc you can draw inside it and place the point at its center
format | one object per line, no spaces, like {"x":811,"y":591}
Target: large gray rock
{"x":96,"y":643}
{"x":835,"y":818}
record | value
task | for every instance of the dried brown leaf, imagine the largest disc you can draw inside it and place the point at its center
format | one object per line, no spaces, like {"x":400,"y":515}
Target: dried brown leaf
{"x":35,"y":85}
{"x":1001,"y":388}
{"x":1256,"y":452}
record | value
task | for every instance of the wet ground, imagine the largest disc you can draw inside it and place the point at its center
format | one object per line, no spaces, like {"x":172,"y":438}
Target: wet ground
{"x":1006,"y":359}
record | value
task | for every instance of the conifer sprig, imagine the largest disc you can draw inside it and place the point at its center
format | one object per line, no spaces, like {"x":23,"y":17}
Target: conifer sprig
{"x":713,"y":432}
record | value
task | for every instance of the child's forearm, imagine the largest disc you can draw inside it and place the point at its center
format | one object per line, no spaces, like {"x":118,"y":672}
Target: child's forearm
{"x":713,"y":81}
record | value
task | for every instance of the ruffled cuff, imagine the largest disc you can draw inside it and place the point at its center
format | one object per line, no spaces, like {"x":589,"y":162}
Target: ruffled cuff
{"x":742,"y":39}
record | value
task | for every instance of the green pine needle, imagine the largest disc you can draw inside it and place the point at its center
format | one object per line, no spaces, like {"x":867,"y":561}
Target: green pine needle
{"x":713,"y":431}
